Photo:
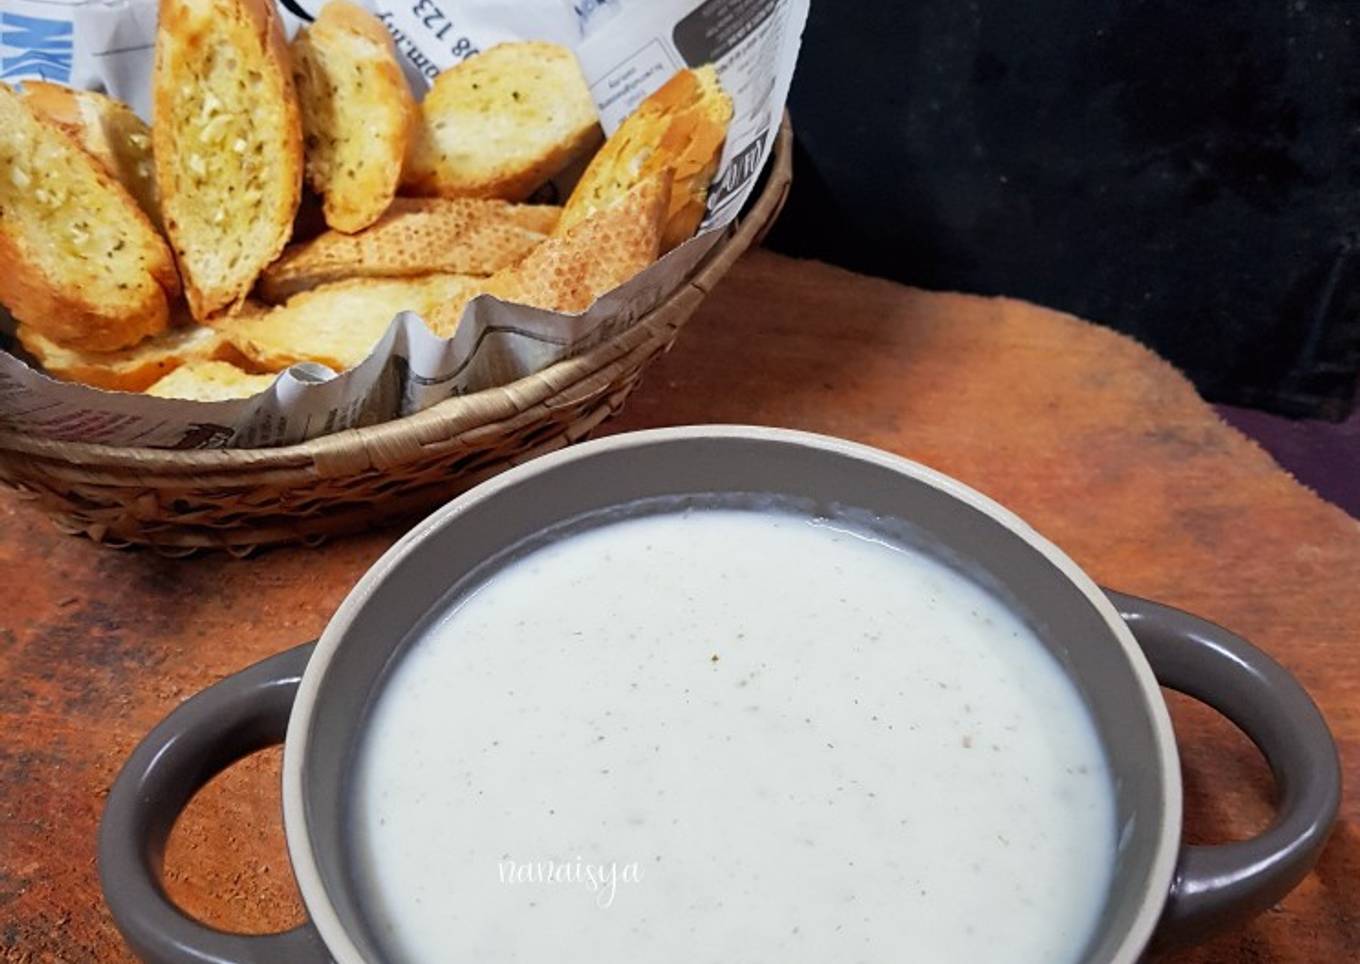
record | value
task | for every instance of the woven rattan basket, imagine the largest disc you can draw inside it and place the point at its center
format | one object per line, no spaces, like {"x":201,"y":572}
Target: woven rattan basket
{"x":238,"y":499}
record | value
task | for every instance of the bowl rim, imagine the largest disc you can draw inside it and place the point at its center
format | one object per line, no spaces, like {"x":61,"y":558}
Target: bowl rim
{"x":311,"y":885}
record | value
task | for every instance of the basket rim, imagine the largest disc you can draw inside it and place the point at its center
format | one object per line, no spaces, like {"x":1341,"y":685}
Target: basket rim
{"x":352,"y":445}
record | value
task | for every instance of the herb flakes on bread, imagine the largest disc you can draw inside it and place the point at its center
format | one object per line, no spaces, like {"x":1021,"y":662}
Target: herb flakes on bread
{"x":228,"y":144}
{"x":501,"y":123}
{"x":109,"y":130}
{"x":357,"y":113}
{"x":83,"y":265}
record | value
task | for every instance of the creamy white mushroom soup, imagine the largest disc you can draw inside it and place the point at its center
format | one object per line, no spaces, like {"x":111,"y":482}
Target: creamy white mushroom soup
{"x":728,"y":735}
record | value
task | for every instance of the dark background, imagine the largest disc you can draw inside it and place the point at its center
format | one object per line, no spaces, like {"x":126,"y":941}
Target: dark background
{"x":1186,"y":172}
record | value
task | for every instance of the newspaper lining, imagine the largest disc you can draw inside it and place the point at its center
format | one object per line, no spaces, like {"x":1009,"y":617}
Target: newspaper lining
{"x":627,"y":48}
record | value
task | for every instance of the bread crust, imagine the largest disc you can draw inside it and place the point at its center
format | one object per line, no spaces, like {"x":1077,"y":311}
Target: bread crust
{"x":682,"y":126}
{"x":132,"y":369}
{"x":107,"y":129}
{"x":65,"y":310}
{"x":337,"y":325}
{"x":210,"y":381}
{"x":195,"y":243}
{"x":57,"y":102}
{"x":355,"y":19}
{"x":329,"y":117}
{"x":416,"y":236}
{"x":571,"y":270}
{"x":64,"y":315}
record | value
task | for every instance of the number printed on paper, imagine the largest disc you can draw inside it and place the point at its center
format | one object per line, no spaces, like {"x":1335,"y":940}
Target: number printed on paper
{"x":441,"y":26}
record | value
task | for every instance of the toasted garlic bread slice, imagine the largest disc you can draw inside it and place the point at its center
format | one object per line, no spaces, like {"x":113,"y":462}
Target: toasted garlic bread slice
{"x":417,"y":236}
{"x":228,"y":144}
{"x":502,"y":123}
{"x":79,"y":261}
{"x":108,"y":129}
{"x":682,"y":126}
{"x":568,"y":272}
{"x":337,"y":325}
{"x":357,"y":113}
{"x":210,"y":381}
{"x":132,"y":369}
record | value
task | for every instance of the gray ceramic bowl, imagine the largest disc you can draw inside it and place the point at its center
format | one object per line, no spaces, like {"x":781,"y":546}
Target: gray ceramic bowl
{"x":1116,"y":648}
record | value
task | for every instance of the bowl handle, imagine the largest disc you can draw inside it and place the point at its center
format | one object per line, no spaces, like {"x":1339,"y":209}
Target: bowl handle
{"x":207,"y":733}
{"x":1216,"y":886}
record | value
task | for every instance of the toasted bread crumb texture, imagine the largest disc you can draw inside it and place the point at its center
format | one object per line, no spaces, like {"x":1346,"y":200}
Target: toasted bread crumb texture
{"x":210,"y":381}
{"x":337,"y":325}
{"x":682,"y":125}
{"x":568,"y":272}
{"x":357,"y":113}
{"x":227,"y":143}
{"x":108,"y":129}
{"x":417,"y":236}
{"x":82,"y":263}
{"x":502,"y":123}
{"x":596,"y":256}
{"x":132,"y":369}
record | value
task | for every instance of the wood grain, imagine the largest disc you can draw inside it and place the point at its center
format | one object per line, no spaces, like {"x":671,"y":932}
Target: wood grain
{"x":1099,"y":444}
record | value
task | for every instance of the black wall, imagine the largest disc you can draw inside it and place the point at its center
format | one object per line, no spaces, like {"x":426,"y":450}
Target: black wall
{"x":1186,"y":172}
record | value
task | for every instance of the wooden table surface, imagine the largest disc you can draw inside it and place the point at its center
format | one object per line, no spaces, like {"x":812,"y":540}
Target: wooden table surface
{"x":1100,"y":445}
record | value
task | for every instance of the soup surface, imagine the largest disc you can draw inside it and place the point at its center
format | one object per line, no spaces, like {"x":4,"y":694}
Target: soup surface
{"x":731,"y":736}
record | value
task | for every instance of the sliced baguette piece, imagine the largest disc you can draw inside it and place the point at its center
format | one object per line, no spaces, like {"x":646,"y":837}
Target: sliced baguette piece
{"x":108,"y":129}
{"x":417,"y":236}
{"x":210,"y":381}
{"x":228,"y":144}
{"x":568,"y":272}
{"x":132,"y":369}
{"x":501,"y":123}
{"x":357,"y":113}
{"x":339,"y":324}
{"x":683,"y":126}
{"x":79,"y":261}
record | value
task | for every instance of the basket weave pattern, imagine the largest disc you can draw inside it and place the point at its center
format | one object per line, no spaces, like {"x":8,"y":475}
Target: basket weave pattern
{"x":237,"y":499}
